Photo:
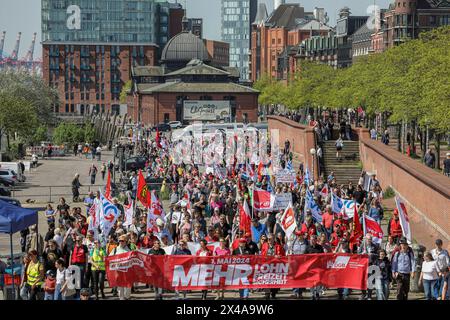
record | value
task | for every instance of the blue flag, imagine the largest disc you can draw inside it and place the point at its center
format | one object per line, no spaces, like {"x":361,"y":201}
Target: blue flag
{"x":289,"y":165}
{"x":306,"y":180}
{"x":312,"y":205}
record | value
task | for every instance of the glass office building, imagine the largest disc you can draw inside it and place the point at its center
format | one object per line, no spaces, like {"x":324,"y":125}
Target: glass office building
{"x":237,"y":17}
{"x":143,"y":21}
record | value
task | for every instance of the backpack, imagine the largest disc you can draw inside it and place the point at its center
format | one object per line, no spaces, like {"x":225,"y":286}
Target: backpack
{"x":410,"y":255}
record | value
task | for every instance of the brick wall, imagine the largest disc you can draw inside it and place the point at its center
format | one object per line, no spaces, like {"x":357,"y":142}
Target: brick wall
{"x":426,"y":192}
{"x":300,"y":136}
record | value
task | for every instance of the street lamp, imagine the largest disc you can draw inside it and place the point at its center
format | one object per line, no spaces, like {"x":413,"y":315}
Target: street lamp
{"x":313,"y":153}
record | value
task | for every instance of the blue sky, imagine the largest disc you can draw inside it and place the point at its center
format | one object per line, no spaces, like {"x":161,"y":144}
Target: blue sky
{"x":24,"y":16}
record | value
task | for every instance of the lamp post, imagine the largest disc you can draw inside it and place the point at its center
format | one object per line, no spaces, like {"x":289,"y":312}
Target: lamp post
{"x":313,"y":154}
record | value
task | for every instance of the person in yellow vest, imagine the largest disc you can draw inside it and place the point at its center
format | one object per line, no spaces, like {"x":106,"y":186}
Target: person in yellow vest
{"x":97,"y":260}
{"x":35,"y":275}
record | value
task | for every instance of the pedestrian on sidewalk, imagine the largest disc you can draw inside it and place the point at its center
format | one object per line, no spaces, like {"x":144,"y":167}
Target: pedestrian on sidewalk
{"x":99,"y":153}
{"x":403,"y":266}
{"x":385,"y":137}
{"x":339,"y":145}
{"x":93,"y":173}
{"x":76,"y":187}
{"x":429,"y":276}
{"x":446,"y":168}
{"x":430,"y":158}
{"x":103,"y":170}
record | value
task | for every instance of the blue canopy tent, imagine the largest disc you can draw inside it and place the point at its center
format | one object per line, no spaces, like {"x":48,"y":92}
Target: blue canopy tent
{"x":14,"y":219}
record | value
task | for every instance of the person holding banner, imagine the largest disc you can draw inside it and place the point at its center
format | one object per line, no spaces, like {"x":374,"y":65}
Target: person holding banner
{"x":157,"y":250}
{"x":271,"y":248}
{"x":97,"y":258}
{"x":124,"y":292}
{"x":204,"y":252}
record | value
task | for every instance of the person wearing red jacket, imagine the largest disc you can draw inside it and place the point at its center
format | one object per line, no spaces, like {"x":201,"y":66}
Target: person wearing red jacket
{"x":327,"y":221}
{"x":341,"y":221}
{"x":394,"y":227}
{"x":308,"y":226}
{"x":271,"y":248}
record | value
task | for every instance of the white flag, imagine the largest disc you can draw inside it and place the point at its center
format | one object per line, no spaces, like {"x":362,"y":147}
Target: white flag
{"x":288,"y":222}
{"x":404,"y":219}
{"x":129,"y":213}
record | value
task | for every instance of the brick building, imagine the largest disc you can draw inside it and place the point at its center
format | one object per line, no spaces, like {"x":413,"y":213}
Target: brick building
{"x":408,"y":18}
{"x":89,"y":47}
{"x":274,"y":38}
{"x":185,"y":84}
{"x":90,"y":76}
{"x":219,"y":52}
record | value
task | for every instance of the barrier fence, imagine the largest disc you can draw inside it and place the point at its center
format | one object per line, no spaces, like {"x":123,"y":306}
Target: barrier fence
{"x":53,"y":193}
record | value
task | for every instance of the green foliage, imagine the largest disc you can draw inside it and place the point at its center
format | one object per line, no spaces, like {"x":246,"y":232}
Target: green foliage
{"x":125,"y":89}
{"x":89,"y":132}
{"x":30,"y":88}
{"x":409,"y":82}
{"x":68,"y":133}
{"x":17,"y":115}
{"x":41,"y":134}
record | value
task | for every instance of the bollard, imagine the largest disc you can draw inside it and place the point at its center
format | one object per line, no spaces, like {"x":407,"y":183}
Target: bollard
{"x":50,"y":194}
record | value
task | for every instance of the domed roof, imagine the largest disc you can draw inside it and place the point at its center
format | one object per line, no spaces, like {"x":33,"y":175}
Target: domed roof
{"x":185,"y":46}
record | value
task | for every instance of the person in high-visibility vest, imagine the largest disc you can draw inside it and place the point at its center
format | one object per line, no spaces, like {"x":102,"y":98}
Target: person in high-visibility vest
{"x":97,"y":260}
{"x":35,"y":275}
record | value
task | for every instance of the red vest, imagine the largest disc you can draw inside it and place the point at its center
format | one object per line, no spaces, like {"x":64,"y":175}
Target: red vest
{"x":396,"y":228}
{"x":78,"y":255}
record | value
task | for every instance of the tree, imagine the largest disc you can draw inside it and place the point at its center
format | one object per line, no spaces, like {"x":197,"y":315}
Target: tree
{"x":17,"y":115}
{"x":125,"y":90}
{"x":68,"y":133}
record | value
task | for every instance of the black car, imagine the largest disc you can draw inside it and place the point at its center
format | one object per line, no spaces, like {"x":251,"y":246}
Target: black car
{"x":135,"y":163}
{"x":156,"y":183}
{"x":4,"y":191}
{"x":163,"y":127}
{"x":6,"y":183}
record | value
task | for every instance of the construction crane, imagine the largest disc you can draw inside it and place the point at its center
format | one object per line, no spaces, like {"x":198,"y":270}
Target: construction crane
{"x":2,"y":43}
{"x":27,"y":61}
{"x":15,"y":53}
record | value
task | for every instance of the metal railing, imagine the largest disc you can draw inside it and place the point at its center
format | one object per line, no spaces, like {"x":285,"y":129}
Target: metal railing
{"x":53,"y":193}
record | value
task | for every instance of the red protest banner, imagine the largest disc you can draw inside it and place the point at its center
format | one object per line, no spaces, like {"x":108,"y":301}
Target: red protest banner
{"x":237,"y":272}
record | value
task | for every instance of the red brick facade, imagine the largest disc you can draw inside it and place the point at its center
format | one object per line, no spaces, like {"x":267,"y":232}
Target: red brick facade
{"x":155,"y":108}
{"x":84,"y":74}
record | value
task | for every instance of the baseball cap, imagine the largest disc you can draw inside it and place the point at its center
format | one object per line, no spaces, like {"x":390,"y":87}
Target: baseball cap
{"x":242,"y":240}
{"x":403,"y":241}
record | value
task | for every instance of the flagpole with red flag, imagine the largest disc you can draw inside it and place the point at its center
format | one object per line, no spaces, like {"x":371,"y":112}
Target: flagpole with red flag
{"x":108,"y":186}
{"x":143,"y":194}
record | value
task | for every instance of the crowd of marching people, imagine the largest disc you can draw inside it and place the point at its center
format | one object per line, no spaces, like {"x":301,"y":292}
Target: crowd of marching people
{"x":207,"y":207}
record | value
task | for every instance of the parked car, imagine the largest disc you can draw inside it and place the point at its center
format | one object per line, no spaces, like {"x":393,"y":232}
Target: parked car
{"x":11,"y":200}
{"x":9,"y":175}
{"x":135,"y":163}
{"x":163,"y":127}
{"x":4,"y":191}
{"x":175,"y":124}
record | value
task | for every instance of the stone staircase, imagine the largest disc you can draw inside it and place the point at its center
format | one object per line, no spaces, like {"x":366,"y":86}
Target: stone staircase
{"x":347,"y":169}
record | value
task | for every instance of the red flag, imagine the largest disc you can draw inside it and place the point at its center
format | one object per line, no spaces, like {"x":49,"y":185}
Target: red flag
{"x":158,"y":139}
{"x":324,"y":191}
{"x":108,"y":186}
{"x":245,"y":222}
{"x":288,"y":222}
{"x":404,"y":219}
{"x":143,"y":194}
{"x":357,"y":231}
{"x":260,"y":171}
{"x":373,"y":228}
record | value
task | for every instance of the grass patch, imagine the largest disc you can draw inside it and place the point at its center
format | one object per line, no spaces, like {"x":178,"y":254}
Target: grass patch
{"x":389,"y":193}
{"x":360,"y":165}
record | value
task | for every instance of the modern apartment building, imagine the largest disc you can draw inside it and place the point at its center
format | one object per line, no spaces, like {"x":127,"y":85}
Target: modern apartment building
{"x":237,"y":17}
